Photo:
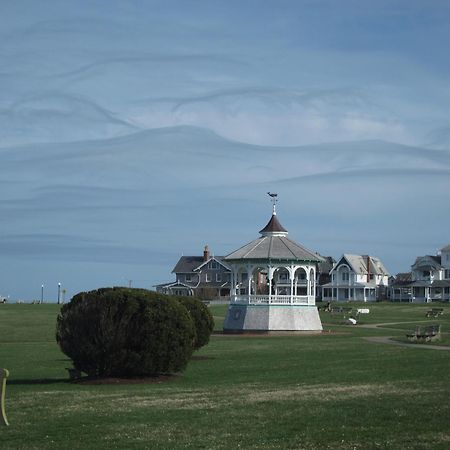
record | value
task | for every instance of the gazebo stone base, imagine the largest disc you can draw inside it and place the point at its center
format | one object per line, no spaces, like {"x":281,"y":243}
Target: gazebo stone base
{"x":257,"y":318}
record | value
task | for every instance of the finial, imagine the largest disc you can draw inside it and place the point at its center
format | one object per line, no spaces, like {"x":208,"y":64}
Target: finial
{"x":274,"y":199}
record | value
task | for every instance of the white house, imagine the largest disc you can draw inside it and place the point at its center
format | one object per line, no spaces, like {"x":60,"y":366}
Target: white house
{"x":429,"y":279}
{"x":358,"y":278}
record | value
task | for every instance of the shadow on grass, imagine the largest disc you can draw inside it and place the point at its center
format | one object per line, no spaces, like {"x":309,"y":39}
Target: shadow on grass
{"x":38,"y":381}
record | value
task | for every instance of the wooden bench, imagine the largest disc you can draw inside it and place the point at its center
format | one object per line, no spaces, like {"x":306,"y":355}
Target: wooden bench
{"x":429,"y":333}
{"x":4,"y":374}
{"x":340,"y":310}
{"x":435,"y":312}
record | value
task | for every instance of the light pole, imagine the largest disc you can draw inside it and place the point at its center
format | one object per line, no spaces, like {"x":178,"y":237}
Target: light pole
{"x":42,"y":294}
{"x":59,"y":293}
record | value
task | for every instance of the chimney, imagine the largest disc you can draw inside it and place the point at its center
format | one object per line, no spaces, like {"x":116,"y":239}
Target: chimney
{"x":368,"y":268}
{"x":206,"y":253}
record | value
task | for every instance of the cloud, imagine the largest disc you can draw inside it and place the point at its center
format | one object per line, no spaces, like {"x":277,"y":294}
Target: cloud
{"x":72,"y":248}
{"x":57,"y":117}
{"x":279,"y":116}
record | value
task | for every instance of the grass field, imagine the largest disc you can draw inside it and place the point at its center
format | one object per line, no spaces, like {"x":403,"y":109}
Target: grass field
{"x":335,"y":390}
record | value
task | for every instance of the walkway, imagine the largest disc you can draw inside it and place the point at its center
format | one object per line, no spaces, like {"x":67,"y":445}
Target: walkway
{"x":388,"y":340}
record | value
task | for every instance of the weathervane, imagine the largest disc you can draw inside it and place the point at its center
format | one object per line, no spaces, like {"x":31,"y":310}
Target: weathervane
{"x":273,"y":199}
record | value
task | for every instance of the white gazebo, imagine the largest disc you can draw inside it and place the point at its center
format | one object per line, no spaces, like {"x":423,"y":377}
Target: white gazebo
{"x":273,"y":283}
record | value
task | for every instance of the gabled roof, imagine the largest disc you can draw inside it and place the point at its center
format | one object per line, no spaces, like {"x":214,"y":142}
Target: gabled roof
{"x":427,"y":261}
{"x":219,"y":259}
{"x":188,"y":264}
{"x":402,"y":279}
{"x":358,"y":263}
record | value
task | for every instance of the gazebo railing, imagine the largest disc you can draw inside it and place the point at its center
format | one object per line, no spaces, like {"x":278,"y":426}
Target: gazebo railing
{"x":273,"y":299}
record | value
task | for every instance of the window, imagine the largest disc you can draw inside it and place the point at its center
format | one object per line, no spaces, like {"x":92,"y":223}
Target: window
{"x":208,"y":277}
{"x":426,"y":273}
{"x":218,"y":277}
{"x":447,"y":273}
{"x":188,"y":277}
{"x":345,"y":276}
{"x":244,"y":276}
{"x":213,"y":265}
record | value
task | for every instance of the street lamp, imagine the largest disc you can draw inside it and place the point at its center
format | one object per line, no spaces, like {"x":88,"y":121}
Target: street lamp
{"x":59,"y":293}
{"x":42,"y":293}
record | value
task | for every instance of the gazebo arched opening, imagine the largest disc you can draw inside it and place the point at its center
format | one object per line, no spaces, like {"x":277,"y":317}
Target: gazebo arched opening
{"x":300,"y":282}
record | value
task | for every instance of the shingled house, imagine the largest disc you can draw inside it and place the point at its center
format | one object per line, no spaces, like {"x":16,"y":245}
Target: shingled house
{"x":429,"y":279}
{"x":206,"y":277}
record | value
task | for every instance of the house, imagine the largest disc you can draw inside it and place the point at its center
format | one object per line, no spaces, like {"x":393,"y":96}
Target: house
{"x":400,"y":287}
{"x":323,"y":274}
{"x":429,"y":279}
{"x":358,"y":278}
{"x":206,"y":277}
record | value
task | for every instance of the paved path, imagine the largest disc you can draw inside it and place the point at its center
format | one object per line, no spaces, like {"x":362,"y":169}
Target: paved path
{"x":388,"y":340}
{"x":382,"y":325}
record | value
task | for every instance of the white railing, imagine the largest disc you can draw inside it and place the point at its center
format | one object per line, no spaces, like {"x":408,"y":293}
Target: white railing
{"x":273,"y":300}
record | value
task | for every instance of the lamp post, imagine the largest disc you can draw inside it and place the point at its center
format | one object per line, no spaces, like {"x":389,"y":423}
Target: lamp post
{"x":42,"y":293}
{"x":59,"y":293}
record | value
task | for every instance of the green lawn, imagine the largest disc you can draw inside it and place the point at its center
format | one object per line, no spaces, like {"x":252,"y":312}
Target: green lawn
{"x":333,"y":390}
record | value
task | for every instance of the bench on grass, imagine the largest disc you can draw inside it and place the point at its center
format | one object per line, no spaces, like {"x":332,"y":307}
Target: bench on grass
{"x":428,"y":333}
{"x":335,"y":310}
{"x":4,"y":373}
{"x":435,"y":312}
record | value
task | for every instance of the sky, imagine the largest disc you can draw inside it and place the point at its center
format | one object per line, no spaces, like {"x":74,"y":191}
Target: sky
{"x":134,"y":132}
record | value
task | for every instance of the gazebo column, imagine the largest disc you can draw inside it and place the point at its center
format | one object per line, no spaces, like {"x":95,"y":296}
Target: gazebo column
{"x":249,"y":282}
{"x":291,"y":279}
{"x":312,"y":282}
{"x":308,"y":284}
{"x":270,"y":271}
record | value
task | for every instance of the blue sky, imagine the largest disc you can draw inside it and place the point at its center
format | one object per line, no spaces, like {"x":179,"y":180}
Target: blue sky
{"x":132,"y":132}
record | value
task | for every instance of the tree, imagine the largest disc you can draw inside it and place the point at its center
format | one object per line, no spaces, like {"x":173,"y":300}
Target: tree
{"x":125,"y":332}
{"x":202,"y":318}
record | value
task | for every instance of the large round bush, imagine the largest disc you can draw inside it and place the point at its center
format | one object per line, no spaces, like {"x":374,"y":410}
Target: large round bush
{"x":125,"y":332}
{"x":202,"y":318}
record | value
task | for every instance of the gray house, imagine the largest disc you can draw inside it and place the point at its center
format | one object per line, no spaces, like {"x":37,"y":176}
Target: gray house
{"x":206,"y":277}
{"x":429,"y":279}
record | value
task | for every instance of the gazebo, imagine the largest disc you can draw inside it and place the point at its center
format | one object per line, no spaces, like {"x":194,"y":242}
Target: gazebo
{"x":273,"y":283}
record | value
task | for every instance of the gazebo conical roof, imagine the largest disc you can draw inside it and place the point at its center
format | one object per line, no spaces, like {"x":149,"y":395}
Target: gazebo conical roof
{"x":274,"y":245}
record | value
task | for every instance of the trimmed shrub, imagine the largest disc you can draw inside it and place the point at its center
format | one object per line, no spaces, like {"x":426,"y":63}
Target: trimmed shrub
{"x":202,"y":318}
{"x":125,"y":332}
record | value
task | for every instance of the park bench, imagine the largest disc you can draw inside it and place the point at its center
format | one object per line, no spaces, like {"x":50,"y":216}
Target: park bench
{"x":435,"y":312}
{"x":335,"y":310}
{"x":429,"y":333}
{"x":4,"y":373}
